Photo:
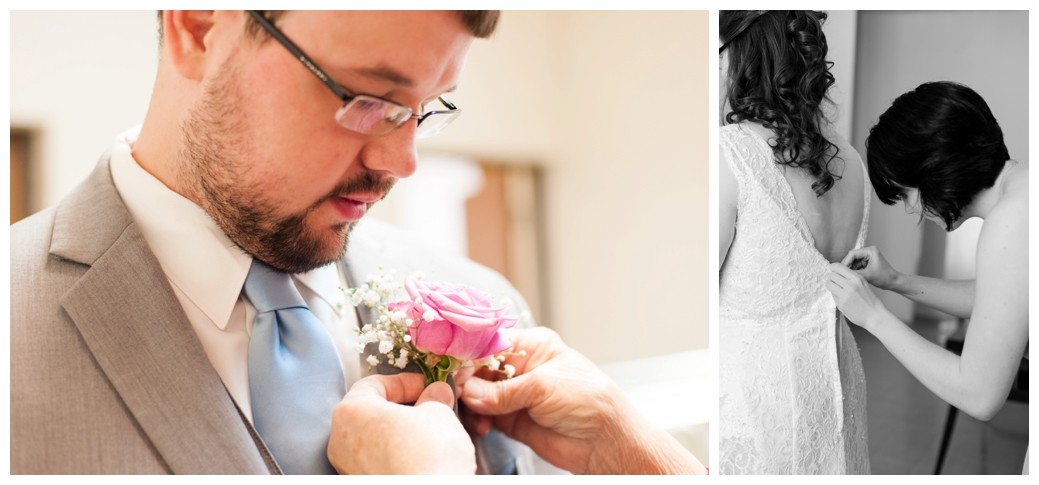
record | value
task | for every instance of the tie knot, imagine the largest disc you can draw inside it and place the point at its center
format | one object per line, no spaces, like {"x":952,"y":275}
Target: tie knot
{"x":269,"y":289}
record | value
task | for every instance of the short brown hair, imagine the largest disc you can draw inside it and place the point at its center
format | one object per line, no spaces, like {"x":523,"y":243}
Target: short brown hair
{"x":479,"y":23}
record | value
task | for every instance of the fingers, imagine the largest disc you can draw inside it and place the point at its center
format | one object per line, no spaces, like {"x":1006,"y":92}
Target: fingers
{"x":853,"y":255}
{"x":842,"y":270}
{"x":532,"y":347}
{"x":499,"y":397}
{"x":438,"y":392}
{"x":403,"y":388}
{"x":476,"y":424}
{"x":466,"y":371}
{"x":483,"y":425}
{"x":833,"y":287}
{"x":521,"y":427}
{"x":399,"y":388}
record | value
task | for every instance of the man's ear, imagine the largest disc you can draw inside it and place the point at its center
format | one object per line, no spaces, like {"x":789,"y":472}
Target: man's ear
{"x":184,"y":35}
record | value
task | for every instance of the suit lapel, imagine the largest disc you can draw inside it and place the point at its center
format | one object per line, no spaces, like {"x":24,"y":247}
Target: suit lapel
{"x":128,"y":316}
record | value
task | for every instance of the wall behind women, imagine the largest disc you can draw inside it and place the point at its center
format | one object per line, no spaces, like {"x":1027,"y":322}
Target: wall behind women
{"x":841,"y":35}
{"x":898,"y":51}
{"x":611,"y":105}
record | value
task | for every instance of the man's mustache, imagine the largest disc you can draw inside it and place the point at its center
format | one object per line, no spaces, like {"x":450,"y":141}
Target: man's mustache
{"x":367,"y":182}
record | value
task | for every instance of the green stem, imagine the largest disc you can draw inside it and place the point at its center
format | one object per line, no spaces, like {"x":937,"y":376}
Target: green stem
{"x":426,"y":371}
{"x":446,"y":367}
{"x":439,"y":372}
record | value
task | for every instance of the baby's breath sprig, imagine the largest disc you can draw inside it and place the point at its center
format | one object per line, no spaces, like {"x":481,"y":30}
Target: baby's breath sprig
{"x":497,"y":363}
{"x":390,"y":330}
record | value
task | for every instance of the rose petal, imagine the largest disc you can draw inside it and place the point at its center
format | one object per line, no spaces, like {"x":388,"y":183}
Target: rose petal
{"x":435,"y":337}
{"x":497,"y":344}
{"x":467,"y":345}
{"x":466,"y":324}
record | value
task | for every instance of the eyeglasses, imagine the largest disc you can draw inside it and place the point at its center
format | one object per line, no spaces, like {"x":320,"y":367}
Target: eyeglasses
{"x":362,"y":113}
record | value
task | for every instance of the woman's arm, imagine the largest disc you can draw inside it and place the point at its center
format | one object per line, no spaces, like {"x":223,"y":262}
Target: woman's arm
{"x":977,"y":381}
{"x":728,"y":191}
{"x":955,"y":297}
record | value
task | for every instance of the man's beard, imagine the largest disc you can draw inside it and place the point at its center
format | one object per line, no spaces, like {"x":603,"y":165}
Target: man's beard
{"x":212,"y":171}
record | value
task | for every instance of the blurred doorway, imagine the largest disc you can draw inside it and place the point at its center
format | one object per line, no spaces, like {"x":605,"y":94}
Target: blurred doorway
{"x":21,"y":157}
{"x":503,"y":228}
{"x":487,"y":211}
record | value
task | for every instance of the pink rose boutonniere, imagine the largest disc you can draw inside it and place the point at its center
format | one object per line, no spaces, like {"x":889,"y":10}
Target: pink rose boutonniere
{"x":438,"y":326}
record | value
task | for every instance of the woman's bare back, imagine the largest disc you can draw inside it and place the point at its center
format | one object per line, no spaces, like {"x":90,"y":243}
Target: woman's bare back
{"x":835,"y":217}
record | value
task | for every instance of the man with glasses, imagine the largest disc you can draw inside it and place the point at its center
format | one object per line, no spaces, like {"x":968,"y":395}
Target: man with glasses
{"x":180,"y":311}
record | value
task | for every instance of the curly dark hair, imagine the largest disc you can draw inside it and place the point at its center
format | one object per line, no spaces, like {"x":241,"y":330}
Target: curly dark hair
{"x":941,"y":139}
{"x":779,"y":76}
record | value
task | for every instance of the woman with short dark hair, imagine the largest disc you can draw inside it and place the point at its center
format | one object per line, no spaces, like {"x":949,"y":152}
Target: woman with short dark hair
{"x":940,"y":151}
{"x":941,"y":140}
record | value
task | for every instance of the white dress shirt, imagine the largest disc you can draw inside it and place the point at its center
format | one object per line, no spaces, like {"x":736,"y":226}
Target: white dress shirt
{"x":207,"y":271}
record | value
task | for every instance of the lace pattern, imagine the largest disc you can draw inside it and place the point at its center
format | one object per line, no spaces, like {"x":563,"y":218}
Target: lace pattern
{"x":793,"y":393}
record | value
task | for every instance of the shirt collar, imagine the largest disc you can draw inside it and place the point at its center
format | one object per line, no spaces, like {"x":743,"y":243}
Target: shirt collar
{"x":327,"y":285}
{"x":197,"y":257}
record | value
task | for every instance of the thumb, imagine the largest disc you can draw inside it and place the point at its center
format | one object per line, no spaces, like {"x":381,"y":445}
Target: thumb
{"x":437,"y":392}
{"x":499,"y":397}
{"x":852,"y":255}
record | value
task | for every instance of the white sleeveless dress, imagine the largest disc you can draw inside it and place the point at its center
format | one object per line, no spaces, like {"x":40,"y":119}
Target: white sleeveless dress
{"x":792,"y":393}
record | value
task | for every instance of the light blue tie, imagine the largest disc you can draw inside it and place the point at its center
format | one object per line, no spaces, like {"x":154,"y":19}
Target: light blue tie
{"x":295,"y":376}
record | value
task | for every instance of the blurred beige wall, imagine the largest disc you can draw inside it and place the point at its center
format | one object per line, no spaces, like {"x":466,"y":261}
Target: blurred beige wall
{"x":78,"y":79}
{"x":611,"y":105}
{"x":614,"y":106}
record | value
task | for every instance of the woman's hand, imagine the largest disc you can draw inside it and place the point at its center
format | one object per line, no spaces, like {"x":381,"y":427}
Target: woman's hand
{"x":559,"y":403}
{"x":570,"y":413}
{"x":869,"y":263}
{"x":855,"y":299}
{"x":375,"y":432}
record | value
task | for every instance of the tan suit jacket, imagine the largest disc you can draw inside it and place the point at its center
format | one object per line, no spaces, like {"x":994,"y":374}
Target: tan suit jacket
{"x":107,"y":375}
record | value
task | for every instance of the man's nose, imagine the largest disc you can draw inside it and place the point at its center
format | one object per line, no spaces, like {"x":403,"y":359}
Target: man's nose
{"x":393,"y":153}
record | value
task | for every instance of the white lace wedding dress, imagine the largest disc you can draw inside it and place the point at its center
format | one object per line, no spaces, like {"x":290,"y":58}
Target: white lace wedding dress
{"x":792,"y":393}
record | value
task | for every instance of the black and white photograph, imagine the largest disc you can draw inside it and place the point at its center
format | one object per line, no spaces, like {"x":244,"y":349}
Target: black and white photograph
{"x":873,"y":242}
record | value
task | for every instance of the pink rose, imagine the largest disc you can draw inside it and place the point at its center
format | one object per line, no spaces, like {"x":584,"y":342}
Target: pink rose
{"x":464,"y":323}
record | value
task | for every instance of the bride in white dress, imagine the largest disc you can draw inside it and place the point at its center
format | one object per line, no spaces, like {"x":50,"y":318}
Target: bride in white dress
{"x":794,"y":197}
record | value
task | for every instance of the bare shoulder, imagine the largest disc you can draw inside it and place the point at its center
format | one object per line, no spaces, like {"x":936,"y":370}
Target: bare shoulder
{"x":1004,"y":235}
{"x":1010,"y":216}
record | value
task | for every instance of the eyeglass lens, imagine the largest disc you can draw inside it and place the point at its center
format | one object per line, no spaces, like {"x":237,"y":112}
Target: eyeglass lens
{"x":374,"y":116}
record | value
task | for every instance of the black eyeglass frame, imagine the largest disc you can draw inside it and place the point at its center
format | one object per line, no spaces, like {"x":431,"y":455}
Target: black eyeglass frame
{"x":312,"y":66}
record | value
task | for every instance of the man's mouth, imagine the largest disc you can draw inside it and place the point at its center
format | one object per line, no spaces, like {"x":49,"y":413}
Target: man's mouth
{"x":354,"y":206}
